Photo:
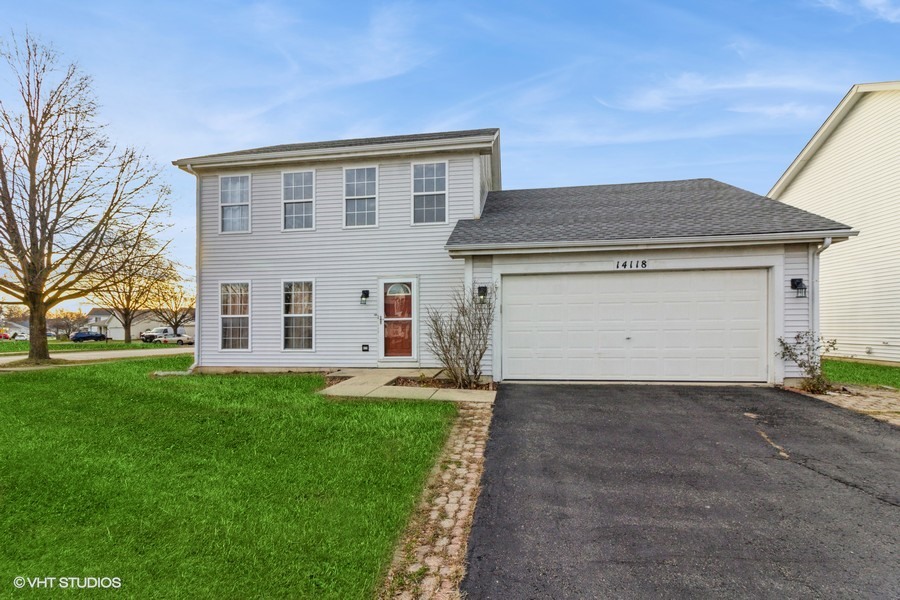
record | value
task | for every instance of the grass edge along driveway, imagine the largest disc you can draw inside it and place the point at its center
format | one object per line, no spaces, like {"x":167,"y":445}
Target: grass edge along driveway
{"x":860,"y":373}
{"x":206,"y":486}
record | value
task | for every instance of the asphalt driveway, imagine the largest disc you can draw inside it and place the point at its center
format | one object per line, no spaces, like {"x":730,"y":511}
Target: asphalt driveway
{"x":622,"y":491}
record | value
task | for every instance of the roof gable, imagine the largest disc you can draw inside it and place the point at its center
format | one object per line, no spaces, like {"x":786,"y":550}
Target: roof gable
{"x":837,"y":116}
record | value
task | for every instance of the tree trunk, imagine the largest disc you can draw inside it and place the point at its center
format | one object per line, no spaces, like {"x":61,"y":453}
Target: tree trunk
{"x":37,"y":326}
{"x":126,"y":323}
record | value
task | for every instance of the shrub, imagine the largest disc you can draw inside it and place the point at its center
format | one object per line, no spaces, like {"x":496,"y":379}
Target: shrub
{"x":807,"y":350}
{"x":459,"y":337}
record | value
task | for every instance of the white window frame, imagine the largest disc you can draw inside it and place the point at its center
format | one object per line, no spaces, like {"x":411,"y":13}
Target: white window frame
{"x":413,"y":193}
{"x":345,"y":197}
{"x":249,"y":316}
{"x":284,"y":202}
{"x":313,"y":314}
{"x":249,"y":177}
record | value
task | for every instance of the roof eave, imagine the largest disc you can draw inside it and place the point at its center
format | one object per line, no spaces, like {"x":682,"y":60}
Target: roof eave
{"x":836,"y":235}
{"x":827,"y":128}
{"x":483,"y":144}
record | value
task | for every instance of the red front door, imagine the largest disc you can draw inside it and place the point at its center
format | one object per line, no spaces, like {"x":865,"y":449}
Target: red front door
{"x":398,"y":319}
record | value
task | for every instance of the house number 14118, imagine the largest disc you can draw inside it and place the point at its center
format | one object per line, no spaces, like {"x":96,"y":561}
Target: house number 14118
{"x":631,"y":264}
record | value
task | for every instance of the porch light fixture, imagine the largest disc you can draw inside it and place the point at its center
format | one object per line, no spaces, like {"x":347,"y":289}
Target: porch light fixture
{"x":482,"y":294}
{"x":364,"y":297}
{"x":799,"y":286}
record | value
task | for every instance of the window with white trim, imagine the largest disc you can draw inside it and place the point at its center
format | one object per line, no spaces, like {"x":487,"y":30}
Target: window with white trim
{"x":234,"y":313}
{"x":430,"y":193}
{"x":298,"y":315}
{"x":298,"y":194}
{"x":360,"y":197}
{"x":234,"y":201}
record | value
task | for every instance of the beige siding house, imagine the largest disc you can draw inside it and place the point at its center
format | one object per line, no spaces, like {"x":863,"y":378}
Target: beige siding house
{"x":850,"y":171}
{"x":329,"y":254}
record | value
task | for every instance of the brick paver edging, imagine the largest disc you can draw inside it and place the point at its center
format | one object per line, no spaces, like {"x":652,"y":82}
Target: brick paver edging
{"x":430,"y":560}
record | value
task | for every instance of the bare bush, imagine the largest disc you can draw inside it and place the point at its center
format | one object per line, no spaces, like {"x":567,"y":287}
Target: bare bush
{"x":460,"y":335}
{"x":807,"y":350}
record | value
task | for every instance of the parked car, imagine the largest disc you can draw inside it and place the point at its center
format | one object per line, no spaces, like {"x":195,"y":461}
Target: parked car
{"x":171,"y":338}
{"x":87,"y":336}
{"x":20,"y":337}
{"x":152,"y":334}
{"x":4,"y":336}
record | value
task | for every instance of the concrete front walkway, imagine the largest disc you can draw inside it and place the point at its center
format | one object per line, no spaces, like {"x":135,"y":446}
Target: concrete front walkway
{"x":105,"y":354}
{"x":373,"y":383}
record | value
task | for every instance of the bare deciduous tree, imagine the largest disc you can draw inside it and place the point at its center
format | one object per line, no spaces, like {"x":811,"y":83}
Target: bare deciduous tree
{"x":140,"y":285}
{"x":175,"y":307}
{"x":459,"y":337}
{"x":67,"y":321}
{"x":71,"y":203}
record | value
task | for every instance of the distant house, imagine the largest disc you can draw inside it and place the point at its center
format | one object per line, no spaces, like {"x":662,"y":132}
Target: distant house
{"x":103,"y":321}
{"x":850,"y":171}
{"x":329,"y":254}
{"x":12,"y":327}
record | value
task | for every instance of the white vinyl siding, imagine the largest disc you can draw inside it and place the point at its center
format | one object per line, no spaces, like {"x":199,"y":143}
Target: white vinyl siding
{"x":234,"y":316}
{"x":344,"y":261}
{"x":234,"y":198}
{"x":854,"y":178}
{"x":796,"y":310}
{"x":299,"y":328}
{"x":298,"y":195}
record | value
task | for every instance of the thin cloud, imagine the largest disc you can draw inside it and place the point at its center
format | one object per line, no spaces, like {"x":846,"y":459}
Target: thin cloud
{"x":692,"y":88}
{"x":884,"y":10}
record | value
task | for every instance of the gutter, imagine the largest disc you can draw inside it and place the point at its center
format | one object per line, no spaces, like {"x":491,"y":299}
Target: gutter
{"x":197,"y":344}
{"x":650,"y":243}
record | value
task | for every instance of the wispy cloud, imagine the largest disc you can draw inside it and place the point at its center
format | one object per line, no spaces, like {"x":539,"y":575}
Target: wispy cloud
{"x":693,"y":88}
{"x":884,"y":10}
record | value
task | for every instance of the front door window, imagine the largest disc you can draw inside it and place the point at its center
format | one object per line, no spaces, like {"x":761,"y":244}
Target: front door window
{"x":398,"y":319}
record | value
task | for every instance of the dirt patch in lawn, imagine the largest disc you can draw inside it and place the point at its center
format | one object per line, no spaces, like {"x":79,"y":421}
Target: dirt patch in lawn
{"x":331,"y":380}
{"x":437,"y":382}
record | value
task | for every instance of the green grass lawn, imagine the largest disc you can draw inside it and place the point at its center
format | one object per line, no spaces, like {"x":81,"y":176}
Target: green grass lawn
{"x":11,"y":346}
{"x":209,"y":486}
{"x":842,"y":371}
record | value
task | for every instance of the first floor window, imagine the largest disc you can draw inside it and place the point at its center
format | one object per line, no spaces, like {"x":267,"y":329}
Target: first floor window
{"x":298,"y":315}
{"x":235,"y":316}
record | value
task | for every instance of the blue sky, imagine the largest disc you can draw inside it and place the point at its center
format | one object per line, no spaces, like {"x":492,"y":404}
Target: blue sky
{"x":584,"y":92}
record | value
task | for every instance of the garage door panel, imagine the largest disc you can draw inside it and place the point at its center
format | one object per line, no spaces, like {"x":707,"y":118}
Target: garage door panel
{"x":688,"y":326}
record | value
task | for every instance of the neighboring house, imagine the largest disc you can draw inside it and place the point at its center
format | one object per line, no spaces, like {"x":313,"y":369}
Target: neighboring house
{"x":103,"y":321}
{"x":11,"y":327}
{"x":850,"y":171}
{"x":328,"y":254}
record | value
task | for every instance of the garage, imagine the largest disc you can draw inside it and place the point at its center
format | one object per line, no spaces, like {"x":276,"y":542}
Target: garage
{"x":697,"y":325}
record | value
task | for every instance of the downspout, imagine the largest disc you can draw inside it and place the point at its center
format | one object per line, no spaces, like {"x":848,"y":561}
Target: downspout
{"x":814,"y":304}
{"x":198,"y":340}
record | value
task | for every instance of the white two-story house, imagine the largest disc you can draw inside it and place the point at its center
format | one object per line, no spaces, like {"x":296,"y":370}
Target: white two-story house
{"x":327,"y":254}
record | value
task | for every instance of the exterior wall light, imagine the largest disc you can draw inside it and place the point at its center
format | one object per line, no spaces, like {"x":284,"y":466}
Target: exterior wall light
{"x":364,"y":297}
{"x":797,"y":284}
{"x":482,"y":294}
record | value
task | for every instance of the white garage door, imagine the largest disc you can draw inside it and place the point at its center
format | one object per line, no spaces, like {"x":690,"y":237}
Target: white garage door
{"x":644,"y":326}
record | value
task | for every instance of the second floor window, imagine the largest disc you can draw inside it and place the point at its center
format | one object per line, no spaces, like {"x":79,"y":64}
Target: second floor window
{"x":430,"y":193}
{"x":234,"y":203}
{"x":298,"y":194}
{"x":361,"y":197}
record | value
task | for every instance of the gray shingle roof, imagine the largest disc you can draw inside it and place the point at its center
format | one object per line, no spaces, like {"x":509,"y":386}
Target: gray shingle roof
{"x":664,"y":209}
{"x":372,"y":141}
